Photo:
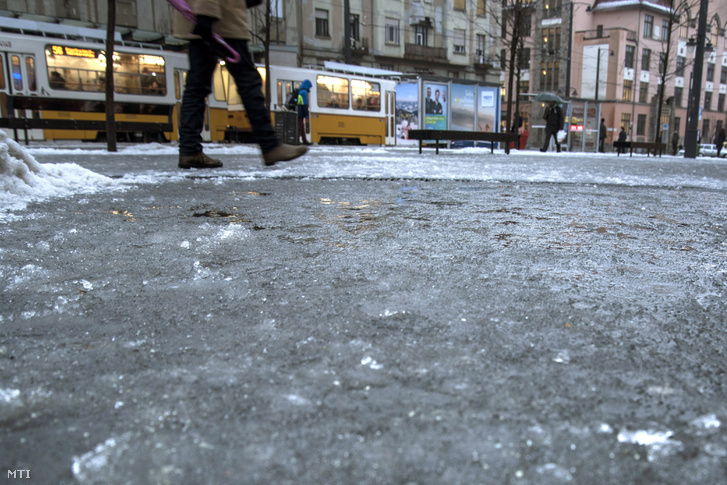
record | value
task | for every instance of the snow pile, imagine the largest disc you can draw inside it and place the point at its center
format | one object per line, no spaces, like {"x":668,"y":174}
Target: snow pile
{"x":23,"y":179}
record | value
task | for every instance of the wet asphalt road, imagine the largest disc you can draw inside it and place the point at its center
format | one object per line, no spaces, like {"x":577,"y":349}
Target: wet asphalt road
{"x":345,"y":330}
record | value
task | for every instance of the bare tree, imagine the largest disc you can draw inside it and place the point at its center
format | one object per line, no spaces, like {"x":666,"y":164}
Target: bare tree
{"x":110,"y":120}
{"x":514,"y":19}
{"x":261,"y":31}
{"x":666,"y":57}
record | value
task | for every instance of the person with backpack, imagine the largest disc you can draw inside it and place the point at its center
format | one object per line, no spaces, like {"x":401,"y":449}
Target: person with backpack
{"x":228,"y":19}
{"x":554,"y":119}
{"x":303,"y":111}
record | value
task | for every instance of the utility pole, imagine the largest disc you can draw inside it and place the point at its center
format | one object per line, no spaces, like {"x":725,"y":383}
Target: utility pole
{"x":570,"y":52}
{"x":598,"y":72}
{"x":347,"y":31}
{"x":690,"y":138}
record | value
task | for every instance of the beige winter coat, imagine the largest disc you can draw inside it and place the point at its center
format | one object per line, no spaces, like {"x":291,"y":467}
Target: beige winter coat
{"x":232,"y":15}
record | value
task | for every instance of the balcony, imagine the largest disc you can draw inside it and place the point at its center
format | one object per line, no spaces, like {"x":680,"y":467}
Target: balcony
{"x":423,"y":52}
{"x":360,"y":47}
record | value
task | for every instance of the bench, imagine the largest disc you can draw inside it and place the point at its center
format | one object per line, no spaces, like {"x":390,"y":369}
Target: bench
{"x":437,"y":135}
{"x":151,"y":130}
{"x":658,"y":148}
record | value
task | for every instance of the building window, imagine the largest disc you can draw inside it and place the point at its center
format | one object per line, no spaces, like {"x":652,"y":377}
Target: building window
{"x":355,"y":30}
{"x":684,"y":28}
{"x":641,"y":125}
{"x":643,"y":92}
{"x":648,"y":26}
{"x":705,"y":130}
{"x":481,"y":42}
{"x":459,"y":4}
{"x":421,"y":32}
{"x":626,"y":121}
{"x":628,"y":88}
{"x":720,"y":102}
{"x":710,"y":72}
{"x":664,"y":29}
{"x":707,"y":100}
{"x":662,"y":61}
{"x":322,"y":23}
{"x":552,"y":8}
{"x":599,"y":31}
{"x":678,"y":94}
{"x":524,"y":87}
{"x":723,"y":75}
{"x":645,"y":59}
{"x":524,"y":59}
{"x":526,"y":26}
{"x":481,"y":8}
{"x":551,"y":40}
{"x":629,"y":59}
{"x":392,"y":31}
{"x":680,"y":65}
{"x":459,"y":36}
{"x":677,"y":123}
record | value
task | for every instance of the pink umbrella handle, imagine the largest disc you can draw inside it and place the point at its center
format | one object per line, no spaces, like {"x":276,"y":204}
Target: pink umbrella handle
{"x":188,"y":14}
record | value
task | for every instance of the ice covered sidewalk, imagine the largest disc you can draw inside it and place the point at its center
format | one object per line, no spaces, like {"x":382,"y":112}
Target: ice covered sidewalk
{"x":363,"y":316}
{"x":88,"y":168}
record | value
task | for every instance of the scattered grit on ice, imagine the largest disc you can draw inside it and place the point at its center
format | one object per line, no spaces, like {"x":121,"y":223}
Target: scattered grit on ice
{"x":23,"y":179}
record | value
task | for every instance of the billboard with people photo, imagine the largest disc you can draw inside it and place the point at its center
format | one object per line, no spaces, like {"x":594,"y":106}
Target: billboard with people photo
{"x":435,"y":106}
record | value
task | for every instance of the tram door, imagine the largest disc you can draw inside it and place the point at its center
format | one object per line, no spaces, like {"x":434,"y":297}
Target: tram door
{"x":390,"y":118}
{"x":180,"y":77}
{"x":23,"y":81}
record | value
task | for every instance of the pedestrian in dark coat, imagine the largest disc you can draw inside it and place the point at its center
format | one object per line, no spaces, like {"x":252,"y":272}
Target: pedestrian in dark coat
{"x":554,"y":119}
{"x":602,"y":133}
{"x":720,"y":141}
{"x":621,"y":138}
{"x":675,"y":142}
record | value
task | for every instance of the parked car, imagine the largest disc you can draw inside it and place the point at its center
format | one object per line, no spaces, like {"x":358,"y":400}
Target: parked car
{"x":707,"y":150}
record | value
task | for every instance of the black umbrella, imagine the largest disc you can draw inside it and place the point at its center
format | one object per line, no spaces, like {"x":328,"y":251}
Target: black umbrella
{"x":549,"y":97}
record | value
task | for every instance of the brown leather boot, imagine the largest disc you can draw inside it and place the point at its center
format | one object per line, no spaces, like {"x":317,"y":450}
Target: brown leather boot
{"x":283,"y":153}
{"x":200,"y":160}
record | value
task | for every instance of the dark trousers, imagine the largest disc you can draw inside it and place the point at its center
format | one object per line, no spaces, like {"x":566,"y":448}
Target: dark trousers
{"x":548,"y":134}
{"x":202,"y":63}
{"x":301,"y":129}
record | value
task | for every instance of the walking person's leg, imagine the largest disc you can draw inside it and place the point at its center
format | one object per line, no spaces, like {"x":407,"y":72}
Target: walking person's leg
{"x":301,"y":130}
{"x":548,"y":134}
{"x":198,"y":86}
{"x":249,"y":86}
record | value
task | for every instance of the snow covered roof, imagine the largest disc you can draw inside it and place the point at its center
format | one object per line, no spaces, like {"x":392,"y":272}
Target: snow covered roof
{"x":630,"y":3}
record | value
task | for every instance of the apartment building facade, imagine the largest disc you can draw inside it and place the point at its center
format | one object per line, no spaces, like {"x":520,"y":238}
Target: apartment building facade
{"x":605,"y":56}
{"x":445,"y":38}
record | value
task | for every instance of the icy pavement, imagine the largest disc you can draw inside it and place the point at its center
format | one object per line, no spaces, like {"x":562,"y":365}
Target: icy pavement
{"x":363,"y":316}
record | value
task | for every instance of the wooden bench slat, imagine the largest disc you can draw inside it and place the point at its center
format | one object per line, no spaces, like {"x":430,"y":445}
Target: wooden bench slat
{"x":658,"y":148}
{"x":438,"y":135}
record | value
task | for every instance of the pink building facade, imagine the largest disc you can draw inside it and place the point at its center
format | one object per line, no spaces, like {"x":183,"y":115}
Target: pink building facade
{"x":616,"y":48}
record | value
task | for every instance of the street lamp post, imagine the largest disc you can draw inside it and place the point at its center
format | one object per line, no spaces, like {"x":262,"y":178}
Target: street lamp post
{"x":589,"y":9}
{"x":690,"y":137}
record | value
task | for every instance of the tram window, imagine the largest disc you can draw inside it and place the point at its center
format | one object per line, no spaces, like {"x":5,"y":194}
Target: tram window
{"x":284,"y":89}
{"x":30,"y":69}
{"x":178,"y":84}
{"x":85,"y":70}
{"x":366,"y":95}
{"x":332,"y":92}
{"x":17,"y":73}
